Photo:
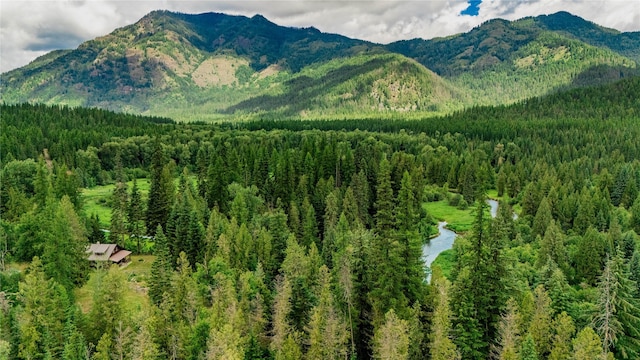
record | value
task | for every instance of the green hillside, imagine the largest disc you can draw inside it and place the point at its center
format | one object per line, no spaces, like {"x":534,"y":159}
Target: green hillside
{"x":170,"y":61}
{"x":361,"y":84}
{"x":215,"y":67}
{"x":502,"y":62}
{"x":598,"y":106}
{"x":627,"y":44}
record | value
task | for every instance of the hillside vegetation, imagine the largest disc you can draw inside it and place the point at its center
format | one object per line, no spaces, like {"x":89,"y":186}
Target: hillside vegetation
{"x":360,"y":85}
{"x":220,"y":67}
{"x":502,"y":62}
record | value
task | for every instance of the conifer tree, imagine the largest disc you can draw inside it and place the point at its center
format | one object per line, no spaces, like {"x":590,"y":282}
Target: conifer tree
{"x":104,"y":348}
{"x":627,"y":243}
{"x":530,"y":200}
{"x":468,"y":333}
{"x":67,"y":183}
{"x":528,"y":349}
{"x":309,"y":224}
{"x":195,"y":239}
{"x":384,"y":204}
{"x":228,"y":322}
{"x":409,"y":241}
{"x":331,"y":216}
{"x":442,"y":347}
{"x":634,"y":269}
{"x":65,"y":231}
{"x":391,"y":338}
{"x":119,"y":200}
{"x":350,"y":208}
{"x":95,"y":233}
{"x":299,"y":270}
{"x":161,"y":268}
{"x":135,"y":216}
{"x":177,"y":225}
{"x":362,"y":194}
{"x":295,"y":224}
{"x":617,"y":320}
{"x":108,"y":309}
{"x":630,"y":193}
{"x":590,"y":256}
{"x":502,"y":227}
{"x":508,"y":333}
{"x":217,"y":192}
{"x":41,"y":319}
{"x":75,"y":347}
{"x":540,"y":328}
{"x":560,"y":292}
{"x":386,"y":251}
{"x":586,"y":345}
{"x":160,"y":197}
{"x":354,"y":283}
{"x":253,"y":294}
{"x":43,"y":189}
{"x":542,"y":219}
{"x":145,"y":348}
{"x":122,"y":341}
{"x":585,"y":216}
{"x":328,"y":336}
{"x":552,"y":247}
{"x":564,"y":330}
{"x":183,"y":292}
{"x":284,"y":342}
{"x":501,"y":181}
{"x":478,"y":290}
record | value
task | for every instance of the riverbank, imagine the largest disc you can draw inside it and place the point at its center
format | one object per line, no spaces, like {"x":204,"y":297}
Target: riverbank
{"x":457,"y":220}
{"x":442,"y":242}
{"x":438,"y":250}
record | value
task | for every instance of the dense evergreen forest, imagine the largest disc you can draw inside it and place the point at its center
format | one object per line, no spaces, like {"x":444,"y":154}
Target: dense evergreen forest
{"x":303,"y":240}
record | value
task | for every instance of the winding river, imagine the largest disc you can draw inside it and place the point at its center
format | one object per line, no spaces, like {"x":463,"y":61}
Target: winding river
{"x":444,"y":241}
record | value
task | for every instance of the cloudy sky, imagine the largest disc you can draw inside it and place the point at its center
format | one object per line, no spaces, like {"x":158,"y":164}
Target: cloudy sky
{"x":30,"y":28}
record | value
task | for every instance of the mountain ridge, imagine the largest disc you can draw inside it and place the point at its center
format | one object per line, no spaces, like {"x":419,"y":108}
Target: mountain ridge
{"x":216,"y":66}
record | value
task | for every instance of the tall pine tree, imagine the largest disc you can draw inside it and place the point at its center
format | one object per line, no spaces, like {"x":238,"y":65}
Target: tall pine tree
{"x":161,"y":191}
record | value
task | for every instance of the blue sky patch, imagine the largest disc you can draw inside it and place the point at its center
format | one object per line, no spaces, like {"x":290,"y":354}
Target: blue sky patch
{"x":472,"y":10}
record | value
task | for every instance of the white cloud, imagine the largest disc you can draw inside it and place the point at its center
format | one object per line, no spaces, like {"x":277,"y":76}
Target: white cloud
{"x":29,"y":28}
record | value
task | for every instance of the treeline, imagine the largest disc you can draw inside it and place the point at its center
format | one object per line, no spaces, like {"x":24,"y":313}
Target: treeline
{"x":290,"y":243}
{"x":27,"y":129}
{"x":600,"y":106}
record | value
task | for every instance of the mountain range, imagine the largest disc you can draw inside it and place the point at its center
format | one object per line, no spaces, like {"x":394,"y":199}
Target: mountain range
{"x":215,"y":66}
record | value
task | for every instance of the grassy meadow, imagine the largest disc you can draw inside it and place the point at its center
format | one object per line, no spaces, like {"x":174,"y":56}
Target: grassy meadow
{"x":97,"y":199}
{"x":137,"y":272}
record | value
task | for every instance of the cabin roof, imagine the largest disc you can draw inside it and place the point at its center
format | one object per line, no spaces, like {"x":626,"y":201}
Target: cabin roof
{"x":101,"y":252}
{"x":106,"y":252}
{"x":118,"y":256}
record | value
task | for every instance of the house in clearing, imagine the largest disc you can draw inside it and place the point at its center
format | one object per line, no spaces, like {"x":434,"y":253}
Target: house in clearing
{"x":108,"y":252}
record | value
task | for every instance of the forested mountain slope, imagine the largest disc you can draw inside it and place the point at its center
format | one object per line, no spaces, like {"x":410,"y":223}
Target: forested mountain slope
{"x":627,"y":44}
{"x":502,"y":62}
{"x":216,"y":66}
{"x":168,"y":60}
{"x":598,"y":105}
{"x":362,"y":85}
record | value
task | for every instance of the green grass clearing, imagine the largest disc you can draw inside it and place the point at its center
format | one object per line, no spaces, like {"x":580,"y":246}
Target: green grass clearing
{"x":445,"y":262}
{"x":135,"y":296}
{"x":457,"y":220}
{"x":139,"y":268}
{"x":97,"y":199}
{"x":493,"y":194}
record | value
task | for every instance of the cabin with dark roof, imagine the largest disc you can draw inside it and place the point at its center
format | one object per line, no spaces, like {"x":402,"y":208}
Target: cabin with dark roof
{"x":108,"y":252}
